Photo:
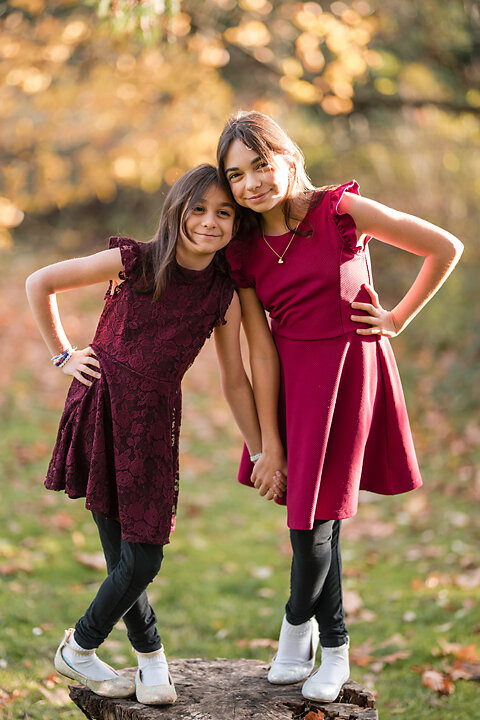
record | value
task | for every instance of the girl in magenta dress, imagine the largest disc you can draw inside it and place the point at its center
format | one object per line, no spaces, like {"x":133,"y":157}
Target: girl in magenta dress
{"x":302,"y":256}
{"x":117,"y":445}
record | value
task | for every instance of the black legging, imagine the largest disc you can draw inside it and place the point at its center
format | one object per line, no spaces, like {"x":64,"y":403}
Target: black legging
{"x":131,"y":568}
{"x":316,"y":581}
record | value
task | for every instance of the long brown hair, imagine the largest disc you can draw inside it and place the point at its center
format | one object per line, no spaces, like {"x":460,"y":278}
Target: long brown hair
{"x":158,"y":258}
{"x":258,"y":132}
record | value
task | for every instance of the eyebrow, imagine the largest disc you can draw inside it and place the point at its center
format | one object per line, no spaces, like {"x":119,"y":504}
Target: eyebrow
{"x":223,"y":204}
{"x":255,"y":160}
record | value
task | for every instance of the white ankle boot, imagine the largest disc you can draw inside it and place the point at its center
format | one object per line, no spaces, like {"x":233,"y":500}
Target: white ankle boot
{"x":295,"y":658}
{"x":325,"y":684}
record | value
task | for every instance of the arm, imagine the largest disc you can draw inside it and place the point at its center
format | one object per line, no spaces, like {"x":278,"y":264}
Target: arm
{"x":440,"y":249}
{"x":266,"y":382}
{"x":235,"y":383}
{"x":42,"y":286}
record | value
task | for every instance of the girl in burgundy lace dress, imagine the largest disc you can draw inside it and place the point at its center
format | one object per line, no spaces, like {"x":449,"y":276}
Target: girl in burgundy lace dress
{"x":303,"y":256}
{"x":117,"y":444}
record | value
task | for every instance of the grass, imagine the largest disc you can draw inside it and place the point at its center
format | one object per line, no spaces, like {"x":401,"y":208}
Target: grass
{"x":409,"y":561}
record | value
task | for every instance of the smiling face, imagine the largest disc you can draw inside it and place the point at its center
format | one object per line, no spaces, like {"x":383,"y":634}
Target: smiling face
{"x":209,"y":227}
{"x":256,"y":183}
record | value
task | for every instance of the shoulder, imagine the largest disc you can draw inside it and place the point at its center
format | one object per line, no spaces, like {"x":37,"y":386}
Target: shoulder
{"x":131,"y":252}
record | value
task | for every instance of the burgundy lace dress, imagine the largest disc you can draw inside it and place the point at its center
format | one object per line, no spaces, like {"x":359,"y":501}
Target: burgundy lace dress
{"x":117,"y":444}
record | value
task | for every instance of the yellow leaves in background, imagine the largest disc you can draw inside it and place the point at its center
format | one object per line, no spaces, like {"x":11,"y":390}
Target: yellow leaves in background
{"x":251,"y":33}
{"x":83,"y":113}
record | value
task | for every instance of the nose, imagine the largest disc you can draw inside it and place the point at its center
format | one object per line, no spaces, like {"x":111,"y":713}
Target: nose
{"x":253,"y":182}
{"x":209,"y":220}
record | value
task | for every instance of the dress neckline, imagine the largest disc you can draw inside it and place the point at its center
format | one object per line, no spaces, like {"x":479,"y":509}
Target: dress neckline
{"x":191,"y":274}
{"x":289,"y":232}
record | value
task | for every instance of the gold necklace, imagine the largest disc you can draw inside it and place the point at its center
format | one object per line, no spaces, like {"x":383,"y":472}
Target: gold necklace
{"x":280,"y":260}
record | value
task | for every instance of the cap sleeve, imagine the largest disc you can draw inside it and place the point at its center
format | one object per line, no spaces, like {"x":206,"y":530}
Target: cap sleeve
{"x":130,"y":252}
{"x":345,"y":222}
{"x":226,"y":296}
{"x":234,"y":254}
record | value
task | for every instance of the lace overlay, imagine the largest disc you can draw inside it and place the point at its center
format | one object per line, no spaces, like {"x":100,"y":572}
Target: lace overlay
{"x":117,"y":444}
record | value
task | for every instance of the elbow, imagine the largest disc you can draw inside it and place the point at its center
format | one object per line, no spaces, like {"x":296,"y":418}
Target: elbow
{"x":454,"y":251}
{"x":36,"y":283}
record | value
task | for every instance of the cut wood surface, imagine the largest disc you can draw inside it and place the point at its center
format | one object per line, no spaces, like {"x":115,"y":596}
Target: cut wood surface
{"x":224,"y":689}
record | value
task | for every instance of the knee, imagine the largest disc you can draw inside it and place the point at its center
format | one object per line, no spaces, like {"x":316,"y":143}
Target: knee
{"x":142,"y":564}
{"x":314,"y":542}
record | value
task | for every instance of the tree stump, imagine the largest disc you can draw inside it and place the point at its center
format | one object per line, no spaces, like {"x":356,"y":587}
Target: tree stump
{"x":224,"y":689}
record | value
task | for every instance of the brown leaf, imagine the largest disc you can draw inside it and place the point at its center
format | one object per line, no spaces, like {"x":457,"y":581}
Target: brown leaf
{"x":467,"y":653}
{"x":315,"y":715}
{"x":438,"y":681}
{"x":465,"y":671}
{"x":96,"y":561}
{"x":257,"y":643}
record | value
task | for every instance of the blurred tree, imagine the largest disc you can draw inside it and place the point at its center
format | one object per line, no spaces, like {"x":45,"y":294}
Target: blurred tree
{"x":136,"y":92}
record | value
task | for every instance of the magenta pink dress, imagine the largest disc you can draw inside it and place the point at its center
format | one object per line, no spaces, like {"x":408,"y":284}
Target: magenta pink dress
{"x":117,"y":444}
{"x":342,"y":411}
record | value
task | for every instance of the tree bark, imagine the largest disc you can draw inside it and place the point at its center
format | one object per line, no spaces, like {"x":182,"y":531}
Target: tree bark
{"x":224,"y":689}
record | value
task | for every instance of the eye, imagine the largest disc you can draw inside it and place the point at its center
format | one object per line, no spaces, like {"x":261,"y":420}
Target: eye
{"x":225,"y":213}
{"x":198,"y":208}
{"x":262,"y":165}
{"x":233,"y":176}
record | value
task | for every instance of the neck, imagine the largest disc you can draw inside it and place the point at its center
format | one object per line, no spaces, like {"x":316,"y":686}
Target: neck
{"x":273,"y":221}
{"x":193,"y":262}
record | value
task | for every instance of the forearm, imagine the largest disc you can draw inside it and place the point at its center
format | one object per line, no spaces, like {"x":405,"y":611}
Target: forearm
{"x":242,"y":404}
{"x":432,"y":275}
{"x":266,"y":386}
{"x":45,"y":311}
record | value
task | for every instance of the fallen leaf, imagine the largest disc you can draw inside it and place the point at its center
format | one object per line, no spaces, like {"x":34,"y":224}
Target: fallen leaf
{"x":257,"y":643}
{"x":465,"y":671}
{"x":315,"y":715}
{"x":96,"y":561}
{"x":467,"y":653}
{"x":438,"y":681}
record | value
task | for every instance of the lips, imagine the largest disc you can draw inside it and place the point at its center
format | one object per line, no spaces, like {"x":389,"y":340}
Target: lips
{"x":257,"y":198}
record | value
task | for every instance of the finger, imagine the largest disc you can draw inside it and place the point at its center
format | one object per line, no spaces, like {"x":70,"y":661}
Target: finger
{"x":90,"y":351}
{"x":369,"y":331}
{"x":368,"y":307}
{"x":372,"y":293}
{"x":80,"y":377}
{"x":364,"y":318}
{"x":88,"y":371}
{"x":91,"y":361}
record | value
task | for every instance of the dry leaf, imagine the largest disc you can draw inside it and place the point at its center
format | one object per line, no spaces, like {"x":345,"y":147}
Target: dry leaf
{"x":96,"y":561}
{"x":257,"y":643}
{"x":437,"y":681}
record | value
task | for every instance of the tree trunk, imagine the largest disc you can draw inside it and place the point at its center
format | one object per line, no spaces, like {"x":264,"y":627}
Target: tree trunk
{"x":229,"y":690}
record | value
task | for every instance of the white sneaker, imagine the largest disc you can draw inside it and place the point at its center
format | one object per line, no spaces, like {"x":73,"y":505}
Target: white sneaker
{"x":295,"y":658}
{"x":325,"y":684}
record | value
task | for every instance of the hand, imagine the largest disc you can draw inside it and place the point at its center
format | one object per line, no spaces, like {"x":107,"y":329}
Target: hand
{"x":265,"y":472}
{"x":381,"y":321}
{"x":79,"y":363}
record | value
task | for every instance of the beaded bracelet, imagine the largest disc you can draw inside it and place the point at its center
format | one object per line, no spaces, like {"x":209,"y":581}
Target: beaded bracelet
{"x":254,"y":458}
{"x":62,"y":358}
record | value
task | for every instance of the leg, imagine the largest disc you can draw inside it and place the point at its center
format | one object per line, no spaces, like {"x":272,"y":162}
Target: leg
{"x":140,"y":620}
{"x":137,"y":566}
{"x":329,"y":610}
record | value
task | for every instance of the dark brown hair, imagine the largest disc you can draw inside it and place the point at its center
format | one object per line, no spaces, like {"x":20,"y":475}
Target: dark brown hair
{"x":258,"y":132}
{"x":158,"y":258}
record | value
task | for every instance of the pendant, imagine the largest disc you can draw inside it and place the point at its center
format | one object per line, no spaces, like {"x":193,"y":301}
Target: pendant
{"x":280,"y":261}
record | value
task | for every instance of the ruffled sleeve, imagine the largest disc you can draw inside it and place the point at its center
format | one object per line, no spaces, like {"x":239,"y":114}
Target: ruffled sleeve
{"x":234,"y":254}
{"x":345,"y":222}
{"x":130,"y":251}
{"x":225,"y":299}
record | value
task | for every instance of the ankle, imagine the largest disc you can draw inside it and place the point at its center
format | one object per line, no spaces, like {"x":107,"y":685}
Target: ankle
{"x":153,"y":667}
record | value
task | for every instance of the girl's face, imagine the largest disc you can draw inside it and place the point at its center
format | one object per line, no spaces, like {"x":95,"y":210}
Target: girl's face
{"x":255,"y":183}
{"x":209,"y":225}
